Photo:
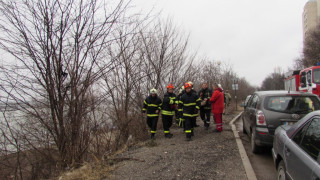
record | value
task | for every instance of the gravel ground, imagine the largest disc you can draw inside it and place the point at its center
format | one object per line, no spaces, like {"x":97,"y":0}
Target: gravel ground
{"x":209,"y":155}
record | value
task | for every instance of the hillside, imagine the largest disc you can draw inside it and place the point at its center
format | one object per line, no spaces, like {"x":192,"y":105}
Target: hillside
{"x":208,"y":156}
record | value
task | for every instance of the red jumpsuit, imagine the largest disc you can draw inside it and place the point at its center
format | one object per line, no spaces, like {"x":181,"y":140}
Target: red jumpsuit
{"x":217,"y":106}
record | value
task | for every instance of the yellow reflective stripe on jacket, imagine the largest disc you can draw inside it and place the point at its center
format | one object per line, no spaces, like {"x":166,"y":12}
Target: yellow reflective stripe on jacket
{"x":145,"y":102}
{"x":166,"y":132}
{"x":187,"y":131}
{"x":180,"y":109}
{"x":190,"y":104}
{"x":144,"y":109}
{"x":153,"y":105}
{"x":197,"y":107}
{"x":152,"y":115}
{"x":199,"y":99}
{"x":169,"y":113}
{"x":190,"y":115}
{"x":181,"y":102}
{"x":153,"y":131}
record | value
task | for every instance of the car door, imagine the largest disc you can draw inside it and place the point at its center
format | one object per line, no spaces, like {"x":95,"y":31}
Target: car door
{"x":248,"y":113}
{"x":252,"y":109}
{"x":302,"y":152}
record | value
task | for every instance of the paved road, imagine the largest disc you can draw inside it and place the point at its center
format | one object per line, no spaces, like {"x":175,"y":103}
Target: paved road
{"x":262,"y":163}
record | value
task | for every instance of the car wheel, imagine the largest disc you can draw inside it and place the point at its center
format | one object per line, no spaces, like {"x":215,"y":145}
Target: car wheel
{"x":254,"y":148}
{"x":243,"y":128}
{"x":281,"y":171}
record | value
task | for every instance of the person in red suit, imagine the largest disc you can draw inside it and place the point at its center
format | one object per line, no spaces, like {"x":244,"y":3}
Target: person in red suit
{"x":217,"y":106}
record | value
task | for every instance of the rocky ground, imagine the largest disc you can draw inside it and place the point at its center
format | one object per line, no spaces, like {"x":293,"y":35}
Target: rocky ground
{"x":209,"y":155}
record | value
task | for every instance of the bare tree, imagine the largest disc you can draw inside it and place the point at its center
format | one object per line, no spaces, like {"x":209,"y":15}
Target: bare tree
{"x":56,"y":54}
{"x":164,"y":51}
{"x":275,"y":81}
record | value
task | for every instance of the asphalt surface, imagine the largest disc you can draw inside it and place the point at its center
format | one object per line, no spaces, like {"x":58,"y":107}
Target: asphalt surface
{"x":262,"y":163}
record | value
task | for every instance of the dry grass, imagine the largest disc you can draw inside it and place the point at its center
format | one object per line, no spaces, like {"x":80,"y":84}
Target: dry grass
{"x":99,"y":169}
{"x":92,"y":171}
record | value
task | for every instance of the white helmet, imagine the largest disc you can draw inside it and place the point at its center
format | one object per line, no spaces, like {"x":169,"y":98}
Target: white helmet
{"x":190,"y":82}
{"x":153,"y":91}
{"x":181,"y":89}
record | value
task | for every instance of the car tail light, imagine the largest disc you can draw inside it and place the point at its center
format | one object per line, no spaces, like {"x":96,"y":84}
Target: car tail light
{"x":261,"y":120}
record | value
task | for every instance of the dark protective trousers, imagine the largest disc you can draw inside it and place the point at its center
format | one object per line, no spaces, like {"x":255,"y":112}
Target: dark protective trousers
{"x":152,"y":123}
{"x":167,"y":123}
{"x":218,"y":120}
{"x":205,"y":116}
{"x":194,"y":122}
{"x":188,"y":126}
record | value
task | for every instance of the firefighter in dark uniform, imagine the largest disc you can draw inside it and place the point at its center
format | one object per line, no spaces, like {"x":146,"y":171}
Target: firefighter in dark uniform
{"x":205,"y":109}
{"x":169,"y":106}
{"x":189,"y":104}
{"x":195,"y":92}
{"x":179,"y":117}
{"x":152,"y":105}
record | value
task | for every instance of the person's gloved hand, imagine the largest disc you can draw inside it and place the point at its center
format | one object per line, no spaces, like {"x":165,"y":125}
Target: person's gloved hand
{"x":171,"y":101}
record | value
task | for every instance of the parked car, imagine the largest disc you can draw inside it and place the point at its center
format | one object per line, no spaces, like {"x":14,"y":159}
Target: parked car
{"x":296,"y":149}
{"x":266,"y":110}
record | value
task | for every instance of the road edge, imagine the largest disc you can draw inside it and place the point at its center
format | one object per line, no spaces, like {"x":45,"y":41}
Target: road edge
{"x":244,"y":157}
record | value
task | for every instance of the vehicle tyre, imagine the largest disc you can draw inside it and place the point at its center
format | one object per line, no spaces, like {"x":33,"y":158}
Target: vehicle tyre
{"x":243,"y":128}
{"x":254,"y":147}
{"x":281,"y":171}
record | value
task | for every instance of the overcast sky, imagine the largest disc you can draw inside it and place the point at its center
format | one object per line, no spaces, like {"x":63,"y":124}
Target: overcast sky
{"x":255,"y":36}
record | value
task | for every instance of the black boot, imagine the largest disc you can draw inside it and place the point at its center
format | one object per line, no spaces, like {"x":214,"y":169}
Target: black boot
{"x":188,"y":137}
{"x":192,"y":132}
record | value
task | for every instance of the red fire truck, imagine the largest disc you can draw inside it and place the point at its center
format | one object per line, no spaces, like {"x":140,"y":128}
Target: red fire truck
{"x":306,"y":80}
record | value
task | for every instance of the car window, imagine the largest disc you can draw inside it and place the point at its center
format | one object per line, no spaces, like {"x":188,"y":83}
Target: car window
{"x":292,"y":104}
{"x":308,"y":138}
{"x":254,"y":101}
{"x":316,"y":76}
{"x":247,"y":99}
{"x":299,"y":135}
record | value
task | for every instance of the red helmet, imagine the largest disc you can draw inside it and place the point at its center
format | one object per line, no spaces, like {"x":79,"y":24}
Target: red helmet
{"x":187,"y":85}
{"x":170,"y":86}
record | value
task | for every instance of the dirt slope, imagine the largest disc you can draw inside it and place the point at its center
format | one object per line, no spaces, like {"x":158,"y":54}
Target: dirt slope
{"x":208,"y":156}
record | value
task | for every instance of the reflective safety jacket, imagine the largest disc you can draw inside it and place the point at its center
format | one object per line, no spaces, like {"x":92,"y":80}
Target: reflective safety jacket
{"x":189,"y":104}
{"x":150,"y":105}
{"x":206,"y":93}
{"x":169,"y":104}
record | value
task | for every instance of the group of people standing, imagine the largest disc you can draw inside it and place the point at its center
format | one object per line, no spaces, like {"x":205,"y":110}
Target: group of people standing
{"x":185,"y":107}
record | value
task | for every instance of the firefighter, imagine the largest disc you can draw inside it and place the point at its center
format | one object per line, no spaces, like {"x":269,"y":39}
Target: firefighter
{"x":179,"y":117}
{"x":217,"y":106}
{"x":205,"y":109}
{"x":195,"y":92}
{"x":168,"y":109}
{"x":189,"y":105}
{"x":152,"y":106}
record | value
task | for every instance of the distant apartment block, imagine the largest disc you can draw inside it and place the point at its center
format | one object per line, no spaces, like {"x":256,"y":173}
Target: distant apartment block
{"x":310,"y":16}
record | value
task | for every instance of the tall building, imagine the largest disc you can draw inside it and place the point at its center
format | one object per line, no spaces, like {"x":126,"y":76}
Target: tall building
{"x":318,"y":2}
{"x":310,"y":16}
